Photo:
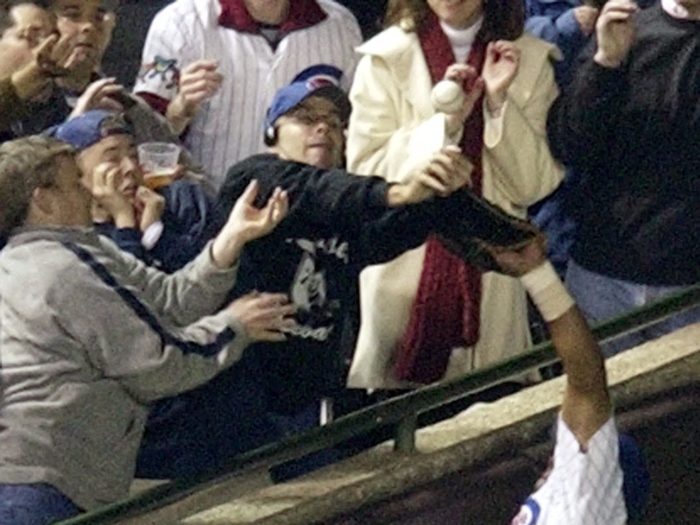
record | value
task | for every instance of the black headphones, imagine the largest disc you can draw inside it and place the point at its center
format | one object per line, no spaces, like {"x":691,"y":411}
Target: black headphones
{"x":270,"y":136}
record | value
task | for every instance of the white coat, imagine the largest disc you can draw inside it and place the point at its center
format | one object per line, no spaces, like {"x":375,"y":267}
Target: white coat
{"x":393,"y":129}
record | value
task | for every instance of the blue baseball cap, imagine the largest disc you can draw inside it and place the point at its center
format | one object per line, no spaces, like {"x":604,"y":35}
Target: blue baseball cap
{"x":320,"y":80}
{"x":91,"y":127}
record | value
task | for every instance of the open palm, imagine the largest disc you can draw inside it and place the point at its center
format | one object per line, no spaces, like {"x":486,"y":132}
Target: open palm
{"x":247,"y":222}
{"x":500,"y":68}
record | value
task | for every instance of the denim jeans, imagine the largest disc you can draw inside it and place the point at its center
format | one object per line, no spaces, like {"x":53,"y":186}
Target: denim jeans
{"x":600,"y":297}
{"x":34,"y":505}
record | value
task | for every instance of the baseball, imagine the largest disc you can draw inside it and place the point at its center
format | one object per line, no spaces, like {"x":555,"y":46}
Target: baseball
{"x":447,"y":96}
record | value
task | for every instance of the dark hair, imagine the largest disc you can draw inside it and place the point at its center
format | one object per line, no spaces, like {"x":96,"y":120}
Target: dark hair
{"x":25,"y":165}
{"x":503,"y":19}
{"x":6,"y":7}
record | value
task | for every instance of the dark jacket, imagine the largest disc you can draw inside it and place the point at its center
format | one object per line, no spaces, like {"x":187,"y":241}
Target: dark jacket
{"x":632,"y":134}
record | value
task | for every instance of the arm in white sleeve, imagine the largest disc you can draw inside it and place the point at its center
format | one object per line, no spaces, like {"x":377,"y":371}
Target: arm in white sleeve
{"x":169,"y":47}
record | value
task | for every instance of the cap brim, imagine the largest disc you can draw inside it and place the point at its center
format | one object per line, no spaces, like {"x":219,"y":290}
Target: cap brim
{"x":337,"y":96}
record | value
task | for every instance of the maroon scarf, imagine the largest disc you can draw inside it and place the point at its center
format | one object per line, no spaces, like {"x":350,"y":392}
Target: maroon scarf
{"x":446,"y":311}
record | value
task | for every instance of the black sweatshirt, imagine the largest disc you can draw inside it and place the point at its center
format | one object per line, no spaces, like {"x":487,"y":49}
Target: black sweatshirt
{"x":337,"y":224}
{"x":634,"y":132}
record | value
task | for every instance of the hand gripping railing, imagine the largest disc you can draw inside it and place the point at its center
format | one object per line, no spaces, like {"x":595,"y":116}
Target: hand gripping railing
{"x":402,"y":410}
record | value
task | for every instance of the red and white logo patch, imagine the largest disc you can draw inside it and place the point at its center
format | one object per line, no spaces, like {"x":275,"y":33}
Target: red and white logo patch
{"x":320,"y":81}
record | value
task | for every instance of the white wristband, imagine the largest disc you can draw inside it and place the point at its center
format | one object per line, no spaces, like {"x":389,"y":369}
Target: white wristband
{"x":547,"y":291}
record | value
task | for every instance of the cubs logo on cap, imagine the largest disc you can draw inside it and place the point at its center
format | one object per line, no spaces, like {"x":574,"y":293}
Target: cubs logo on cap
{"x":321,"y":80}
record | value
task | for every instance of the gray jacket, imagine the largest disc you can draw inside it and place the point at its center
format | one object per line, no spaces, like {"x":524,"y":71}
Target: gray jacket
{"x":88,"y":336}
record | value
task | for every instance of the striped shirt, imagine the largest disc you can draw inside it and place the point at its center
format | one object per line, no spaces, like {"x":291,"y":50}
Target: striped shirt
{"x":583,"y":488}
{"x":229,"y":127}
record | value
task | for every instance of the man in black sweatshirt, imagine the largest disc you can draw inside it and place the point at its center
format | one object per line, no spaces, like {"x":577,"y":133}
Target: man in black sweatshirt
{"x":630,"y":122}
{"x":337,"y":224}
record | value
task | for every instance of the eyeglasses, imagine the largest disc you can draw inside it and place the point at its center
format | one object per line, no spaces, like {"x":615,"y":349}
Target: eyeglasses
{"x":309,"y":117}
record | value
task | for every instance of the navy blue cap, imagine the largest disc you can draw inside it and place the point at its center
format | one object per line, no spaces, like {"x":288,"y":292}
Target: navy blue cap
{"x":91,"y":127}
{"x":320,"y":80}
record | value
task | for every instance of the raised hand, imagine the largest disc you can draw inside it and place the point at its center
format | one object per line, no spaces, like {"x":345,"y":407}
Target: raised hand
{"x":615,"y":32}
{"x":114,"y":204}
{"x":264,"y":316}
{"x":54,"y":55}
{"x":199,"y":81}
{"x":445,"y":172}
{"x":500,"y":68}
{"x":250,"y":222}
{"x":586,"y":17}
{"x":467,"y":77}
{"x":98,"y":96}
{"x":247,"y":222}
{"x":49,"y":61}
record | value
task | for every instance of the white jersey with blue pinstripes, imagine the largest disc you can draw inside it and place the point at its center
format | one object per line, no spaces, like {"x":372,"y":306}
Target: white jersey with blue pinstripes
{"x":583,"y":488}
{"x":229,"y":127}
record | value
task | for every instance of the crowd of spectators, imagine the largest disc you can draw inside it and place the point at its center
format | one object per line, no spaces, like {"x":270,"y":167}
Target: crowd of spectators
{"x":328,"y":212}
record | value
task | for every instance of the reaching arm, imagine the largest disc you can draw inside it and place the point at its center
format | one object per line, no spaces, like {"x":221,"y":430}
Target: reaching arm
{"x":126,"y":340}
{"x":202,"y":285}
{"x":586,"y":405}
{"x":338,"y":199}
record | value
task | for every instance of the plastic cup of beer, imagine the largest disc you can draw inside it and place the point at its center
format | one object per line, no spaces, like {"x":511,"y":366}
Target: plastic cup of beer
{"x":159,"y":161}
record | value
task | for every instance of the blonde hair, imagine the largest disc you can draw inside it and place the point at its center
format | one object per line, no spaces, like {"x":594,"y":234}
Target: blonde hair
{"x":25,"y":165}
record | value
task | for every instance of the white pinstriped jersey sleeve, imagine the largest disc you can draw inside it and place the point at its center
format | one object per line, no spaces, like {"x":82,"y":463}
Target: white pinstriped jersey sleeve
{"x":584,"y":488}
{"x":229,"y":127}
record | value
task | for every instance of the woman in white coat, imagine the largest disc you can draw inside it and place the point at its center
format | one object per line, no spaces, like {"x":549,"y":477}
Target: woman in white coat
{"x":426,"y":315}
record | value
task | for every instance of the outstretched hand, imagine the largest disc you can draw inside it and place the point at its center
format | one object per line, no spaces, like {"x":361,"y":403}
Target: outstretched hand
{"x":516,"y":261}
{"x":246,"y":222}
{"x":445,"y":172}
{"x":264,"y":316}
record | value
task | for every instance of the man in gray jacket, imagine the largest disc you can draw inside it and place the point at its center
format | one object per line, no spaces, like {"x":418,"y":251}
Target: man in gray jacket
{"x":89,"y":335}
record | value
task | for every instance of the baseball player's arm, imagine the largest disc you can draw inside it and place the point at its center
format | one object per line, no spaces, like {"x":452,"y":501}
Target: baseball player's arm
{"x":586,"y":406}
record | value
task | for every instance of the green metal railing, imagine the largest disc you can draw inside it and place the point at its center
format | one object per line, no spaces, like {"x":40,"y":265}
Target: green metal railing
{"x":402,"y":410}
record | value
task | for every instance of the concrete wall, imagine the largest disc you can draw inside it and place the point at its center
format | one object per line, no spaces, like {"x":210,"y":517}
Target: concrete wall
{"x":478,"y":466}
